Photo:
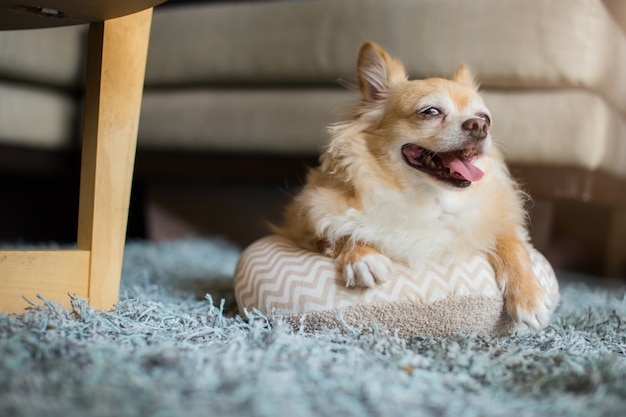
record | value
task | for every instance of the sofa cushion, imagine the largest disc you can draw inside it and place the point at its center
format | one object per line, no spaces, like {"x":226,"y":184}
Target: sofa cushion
{"x":37,"y":116}
{"x":512,"y":44}
{"x":577,"y":129}
{"x":617,"y":8}
{"x":273,"y":121}
{"x":293,"y":121}
{"x":53,"y":56}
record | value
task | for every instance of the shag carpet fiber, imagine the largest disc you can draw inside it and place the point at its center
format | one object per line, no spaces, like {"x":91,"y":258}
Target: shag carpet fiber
{"x":167,"y":349}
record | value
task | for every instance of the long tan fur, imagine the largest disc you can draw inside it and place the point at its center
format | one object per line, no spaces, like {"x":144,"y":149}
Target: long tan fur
{"x":373,"y":201}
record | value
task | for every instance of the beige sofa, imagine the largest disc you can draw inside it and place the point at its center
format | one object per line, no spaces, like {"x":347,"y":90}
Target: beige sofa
{"x":255,"y":84}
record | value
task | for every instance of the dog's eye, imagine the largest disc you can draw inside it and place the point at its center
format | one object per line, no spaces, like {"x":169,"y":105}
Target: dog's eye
{"x":485,"y":118}
{"x":430,"y":112}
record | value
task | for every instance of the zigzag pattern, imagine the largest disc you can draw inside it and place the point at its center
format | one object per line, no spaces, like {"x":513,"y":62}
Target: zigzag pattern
{"x":543,"y":271}
{"x":275,"y":276}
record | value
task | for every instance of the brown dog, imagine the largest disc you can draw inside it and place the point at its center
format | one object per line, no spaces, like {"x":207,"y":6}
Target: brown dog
{"x":413,"y":175}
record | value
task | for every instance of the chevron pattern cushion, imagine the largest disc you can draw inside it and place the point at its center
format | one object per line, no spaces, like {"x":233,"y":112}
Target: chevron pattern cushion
{"x":280,"y":279}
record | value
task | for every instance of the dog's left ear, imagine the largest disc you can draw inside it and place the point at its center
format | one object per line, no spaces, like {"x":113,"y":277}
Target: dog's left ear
{"x":377,"y":72}
{"x":463,"y":75}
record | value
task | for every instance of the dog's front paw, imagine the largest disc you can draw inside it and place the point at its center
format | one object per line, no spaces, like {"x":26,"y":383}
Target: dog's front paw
{"x":363,"y":266}
{"x":529,"y":304}
{"x":367,"y":271}
{"x":526,"y":301}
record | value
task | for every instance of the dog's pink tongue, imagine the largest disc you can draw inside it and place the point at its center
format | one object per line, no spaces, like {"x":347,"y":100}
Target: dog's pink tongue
{"x":463,"y":167}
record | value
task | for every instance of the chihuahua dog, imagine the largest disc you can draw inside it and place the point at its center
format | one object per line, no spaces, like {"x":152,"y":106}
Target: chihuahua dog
{"x":413,"y":176}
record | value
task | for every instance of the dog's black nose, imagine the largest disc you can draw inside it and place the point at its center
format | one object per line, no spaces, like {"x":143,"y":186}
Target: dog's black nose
{"x":477,"y":128}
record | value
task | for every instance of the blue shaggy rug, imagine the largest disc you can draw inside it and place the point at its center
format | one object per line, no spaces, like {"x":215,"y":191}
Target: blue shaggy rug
{"x":168,"y":349}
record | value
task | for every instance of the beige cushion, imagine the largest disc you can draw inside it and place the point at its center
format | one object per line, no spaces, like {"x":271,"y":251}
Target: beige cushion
{"x":53,"y":56}
{"x":277,"y":277}
{"x":513,"y":44}
{"x":576,"y":127}
{"x":35,"y":116}
{"x":571,"y":128}
{"x":529,"y":47}
{"x":276,"y":120}
{"x":41,"y":70}
{"x":617,"y":8}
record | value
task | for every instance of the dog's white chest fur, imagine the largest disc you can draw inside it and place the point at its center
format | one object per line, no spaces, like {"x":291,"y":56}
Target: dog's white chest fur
{"x":412,"y":229}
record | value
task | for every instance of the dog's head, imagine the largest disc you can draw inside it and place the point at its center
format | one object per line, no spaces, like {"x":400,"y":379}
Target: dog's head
{"x":436,"y":129}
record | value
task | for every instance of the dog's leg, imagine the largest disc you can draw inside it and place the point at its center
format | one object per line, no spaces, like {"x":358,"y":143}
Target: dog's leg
{"x":362,"y":265}
{"x":525,"y":300}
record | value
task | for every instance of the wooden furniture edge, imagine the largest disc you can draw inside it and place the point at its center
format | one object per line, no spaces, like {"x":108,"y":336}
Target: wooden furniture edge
{"x":116,"y":63}
{"x":117,"y":53}
{"x":53,"y":274}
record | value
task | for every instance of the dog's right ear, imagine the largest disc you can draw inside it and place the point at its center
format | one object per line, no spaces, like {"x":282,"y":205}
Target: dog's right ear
{"x":377,"y":72}
{"x":463,"y":75}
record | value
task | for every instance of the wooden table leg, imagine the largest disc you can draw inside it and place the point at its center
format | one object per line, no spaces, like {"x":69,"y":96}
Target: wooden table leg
{"x":116,"y":62}
{"x":115,"y":73}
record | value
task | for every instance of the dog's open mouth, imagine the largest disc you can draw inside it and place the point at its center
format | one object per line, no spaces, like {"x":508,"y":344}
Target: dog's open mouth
{"x":456,"y":168}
